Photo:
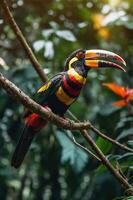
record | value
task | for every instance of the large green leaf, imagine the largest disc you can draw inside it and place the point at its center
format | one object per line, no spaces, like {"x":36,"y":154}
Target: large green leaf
{"x":70,"y":152}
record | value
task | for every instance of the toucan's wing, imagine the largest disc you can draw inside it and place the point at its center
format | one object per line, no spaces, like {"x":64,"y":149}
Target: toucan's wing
{"x":33,"y":123}
{"x":44,"y":92}
{"x":48,"y":88}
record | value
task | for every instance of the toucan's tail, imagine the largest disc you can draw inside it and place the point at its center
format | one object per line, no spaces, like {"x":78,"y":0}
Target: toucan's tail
{"x":24,"y":143}
{"x":22,"y":147}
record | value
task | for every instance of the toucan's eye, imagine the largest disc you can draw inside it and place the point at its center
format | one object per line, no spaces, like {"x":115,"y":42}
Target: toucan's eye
{"x":80,"y":55}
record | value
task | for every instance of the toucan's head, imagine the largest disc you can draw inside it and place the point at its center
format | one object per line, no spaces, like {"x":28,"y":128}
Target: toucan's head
{"x":95,"y":58}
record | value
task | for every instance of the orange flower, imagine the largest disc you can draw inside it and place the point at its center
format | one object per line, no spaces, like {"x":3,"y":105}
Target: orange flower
{"x":124,"y":92}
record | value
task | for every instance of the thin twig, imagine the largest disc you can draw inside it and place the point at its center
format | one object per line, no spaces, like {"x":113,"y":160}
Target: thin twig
{"x":24,"y":43}
{"x":110,"y":139}
{"x":39,"y":70}
{"x":85,"y":149}
{"x":98,"y":132}
{"x":72,"y":138}
{"x":26,"y":47}
{"x":67,"y":124}
{"x":104,"y":160}
{"x":9,"y":17}
{"x":39,"y":110}
{"x":107,"y":163}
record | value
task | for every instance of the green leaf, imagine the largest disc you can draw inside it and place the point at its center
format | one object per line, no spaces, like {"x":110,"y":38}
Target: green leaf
{"x":125,"y":160}
{"x":130,"y":142}
{"x":3,"y":64}
{"x":14,"y":183}
{"x":125,"y":133}
{"x":123,"y":121}
{"x":47,"y":33}
{"x":101,"y":169}
{"x":126,"y":155}
{"x":70,"y":152}
{"x":38,"y":45}
{"x":67,"y":35}
{"x":49,"y":50}
{"x":123,"y":198}
{"x":54,"y":25}
{"x":108,"y":110}
{"x":129,"y":24}
{"x":112,"y":17}
{"x":104,"y":145}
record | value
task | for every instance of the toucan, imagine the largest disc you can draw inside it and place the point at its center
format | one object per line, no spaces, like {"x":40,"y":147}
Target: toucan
{"x":61,"y":91}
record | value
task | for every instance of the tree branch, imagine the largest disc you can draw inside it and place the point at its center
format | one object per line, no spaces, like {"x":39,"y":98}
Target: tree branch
{"x":103,"y":159}
{"x":106,"y":162}
{"x":43,"y":112}
{"x":21,"y":38}
{"x":72,"y":138}
{"x":16,"y":93}
{"x":38,"y":68}
{"x":98,"y":132}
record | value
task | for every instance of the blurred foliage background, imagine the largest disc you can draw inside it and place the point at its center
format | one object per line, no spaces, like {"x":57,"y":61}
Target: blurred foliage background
{"x":56,"y":169}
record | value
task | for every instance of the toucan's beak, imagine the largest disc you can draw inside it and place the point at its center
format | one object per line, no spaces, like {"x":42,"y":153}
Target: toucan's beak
{"x":102,"y":58}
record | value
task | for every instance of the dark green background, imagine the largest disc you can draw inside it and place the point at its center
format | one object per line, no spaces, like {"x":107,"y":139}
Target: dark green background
{"x":55,"y":169}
